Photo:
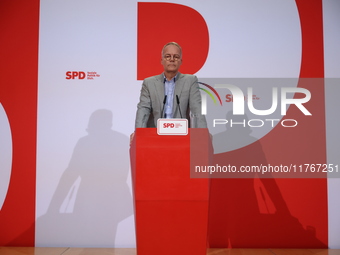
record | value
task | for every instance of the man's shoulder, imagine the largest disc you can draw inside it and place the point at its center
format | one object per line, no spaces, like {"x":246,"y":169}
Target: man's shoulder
{"x":154,"y":78}
{"x":160,"y":77}
{"x":187,"y":80}
{"x":186,"y":76}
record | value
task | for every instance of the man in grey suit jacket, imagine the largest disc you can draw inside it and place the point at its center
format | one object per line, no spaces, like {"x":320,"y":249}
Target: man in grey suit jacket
{"x":158,"y":98}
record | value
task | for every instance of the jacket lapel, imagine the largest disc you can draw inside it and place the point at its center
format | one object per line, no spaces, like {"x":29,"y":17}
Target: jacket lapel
{"x":178,"y":90}
{"x":159,"y":86}
{"x":178,"y":86}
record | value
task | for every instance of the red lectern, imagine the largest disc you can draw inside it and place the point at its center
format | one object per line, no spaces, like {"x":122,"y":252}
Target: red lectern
{"x":171,"y":208}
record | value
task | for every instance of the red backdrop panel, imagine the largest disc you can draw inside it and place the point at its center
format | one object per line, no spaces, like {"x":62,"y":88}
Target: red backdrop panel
{"x":19,"y":23}
{"x":280,"y":212}
{"x":160,"y":23}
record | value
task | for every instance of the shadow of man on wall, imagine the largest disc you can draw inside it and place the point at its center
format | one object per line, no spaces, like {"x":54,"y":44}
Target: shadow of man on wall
{"x":92,"y":196}
{"x":247,"y":210}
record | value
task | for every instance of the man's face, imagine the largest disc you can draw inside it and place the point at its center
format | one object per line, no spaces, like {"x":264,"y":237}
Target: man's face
{"x":174,"y":61}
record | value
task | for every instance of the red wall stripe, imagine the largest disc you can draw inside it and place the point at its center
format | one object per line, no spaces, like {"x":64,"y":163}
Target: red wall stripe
{"x":153,"y":32}
{"x":19,"y":24}
{"x":235,"y":220}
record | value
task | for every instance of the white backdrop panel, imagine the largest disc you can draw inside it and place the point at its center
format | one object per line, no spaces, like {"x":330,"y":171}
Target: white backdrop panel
{"x":83,"y":182}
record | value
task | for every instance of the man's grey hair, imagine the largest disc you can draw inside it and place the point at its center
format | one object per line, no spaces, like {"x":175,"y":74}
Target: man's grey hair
{"x":172,"y":43}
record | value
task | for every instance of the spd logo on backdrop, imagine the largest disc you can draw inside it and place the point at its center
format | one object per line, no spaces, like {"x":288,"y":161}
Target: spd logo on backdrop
{"x":81,"y":75}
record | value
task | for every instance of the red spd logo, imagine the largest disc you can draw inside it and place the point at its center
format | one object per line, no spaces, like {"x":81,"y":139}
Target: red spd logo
{"x":168,"y":125}
{"x":172,"y":125}
{"x":80,"y":75}
{"x":75,"y":75}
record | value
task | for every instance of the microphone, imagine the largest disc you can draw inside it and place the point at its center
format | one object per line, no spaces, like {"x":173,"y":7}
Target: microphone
{"x":179,"y":107}
{"x":164,"y":101}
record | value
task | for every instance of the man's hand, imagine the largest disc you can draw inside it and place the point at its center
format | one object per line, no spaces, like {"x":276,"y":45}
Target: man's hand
{"x":131,"y":137}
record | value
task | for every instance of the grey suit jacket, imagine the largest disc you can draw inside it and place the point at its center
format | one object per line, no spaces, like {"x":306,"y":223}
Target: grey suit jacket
{"x":150,"y":106}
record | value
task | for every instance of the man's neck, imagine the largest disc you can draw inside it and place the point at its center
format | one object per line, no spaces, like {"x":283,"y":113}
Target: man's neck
{"x":170,"y":75}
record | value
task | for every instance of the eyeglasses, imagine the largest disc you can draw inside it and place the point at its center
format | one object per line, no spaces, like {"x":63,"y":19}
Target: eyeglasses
{"x":175,"y":57}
